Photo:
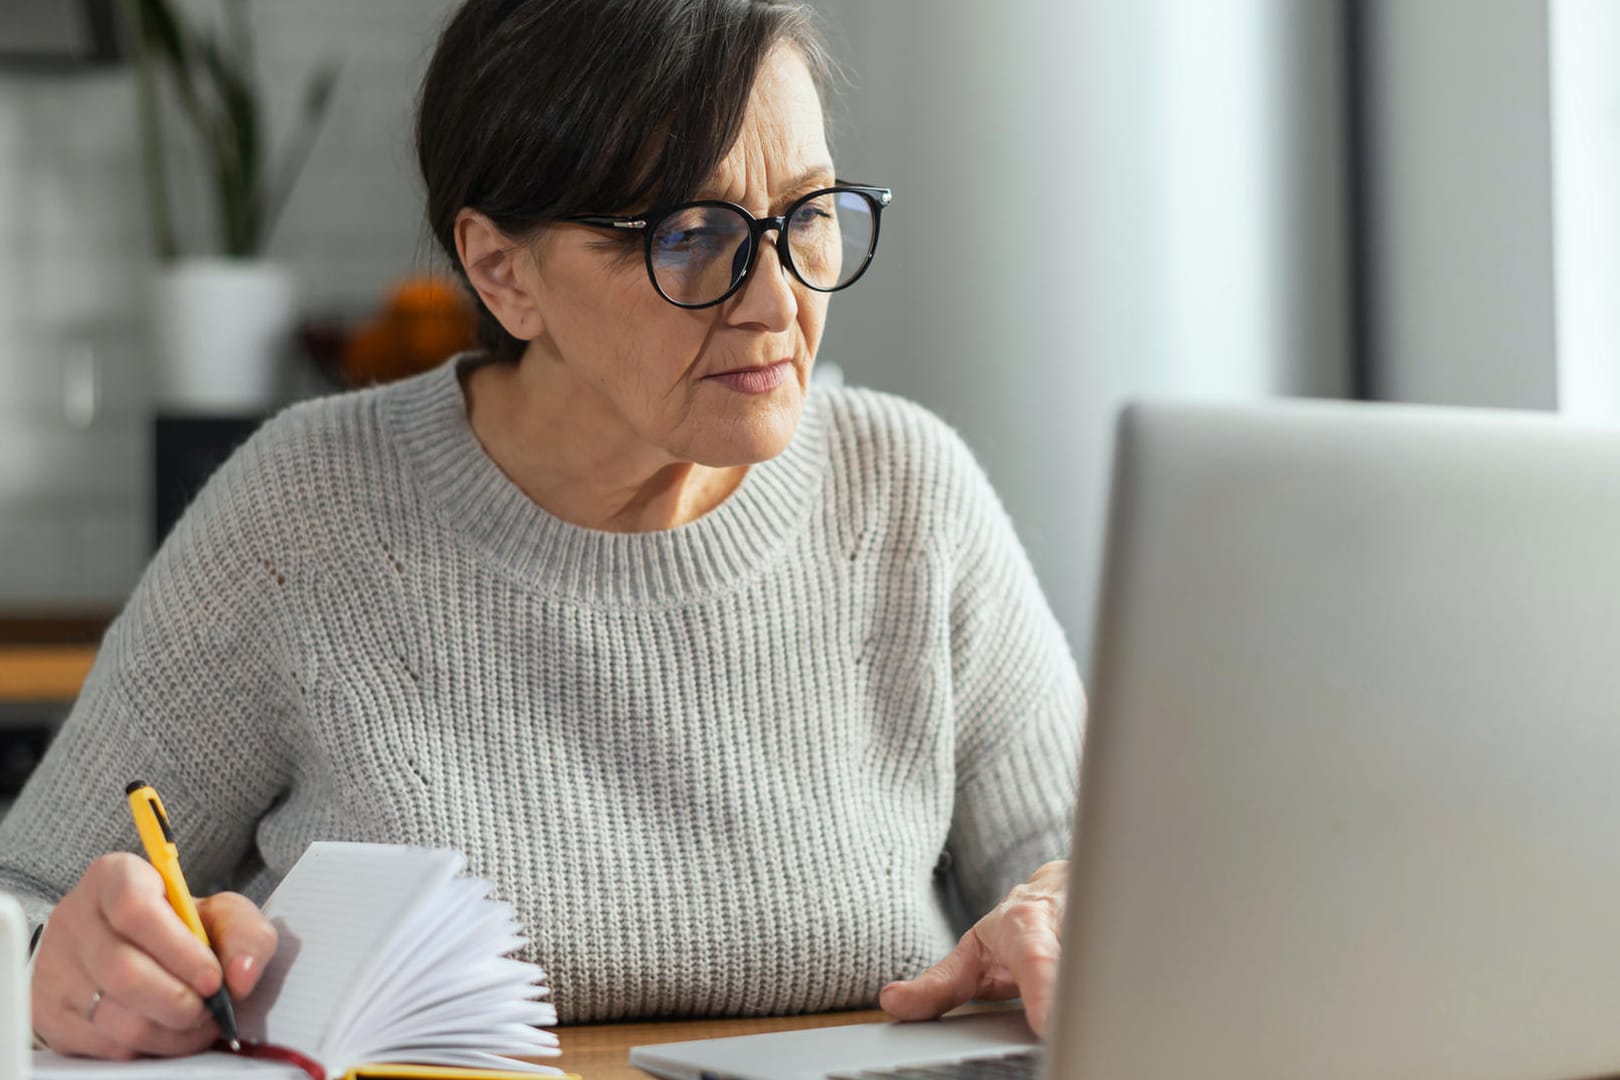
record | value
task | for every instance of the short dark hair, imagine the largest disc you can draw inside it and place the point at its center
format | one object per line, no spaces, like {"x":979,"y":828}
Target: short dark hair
{"x":534,"y":109}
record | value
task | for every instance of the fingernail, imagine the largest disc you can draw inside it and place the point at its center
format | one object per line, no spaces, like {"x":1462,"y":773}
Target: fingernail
{"x":886,"y":989}
{"x":246,"y":965}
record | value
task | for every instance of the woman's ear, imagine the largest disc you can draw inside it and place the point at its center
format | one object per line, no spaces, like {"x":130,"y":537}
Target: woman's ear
{"x":492,"y":261}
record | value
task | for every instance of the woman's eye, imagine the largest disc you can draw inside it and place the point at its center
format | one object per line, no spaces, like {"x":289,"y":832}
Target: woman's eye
{"x":691,"y":244}
{"x":812,"y":217}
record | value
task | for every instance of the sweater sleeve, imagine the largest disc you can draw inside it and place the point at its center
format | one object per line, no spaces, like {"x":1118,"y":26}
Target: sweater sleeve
{"x":1020,"y":707}
{"x":190,"y":692}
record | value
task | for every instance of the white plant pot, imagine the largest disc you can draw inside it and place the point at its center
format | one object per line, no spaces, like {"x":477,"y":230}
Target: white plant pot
{"x":222,"y":334}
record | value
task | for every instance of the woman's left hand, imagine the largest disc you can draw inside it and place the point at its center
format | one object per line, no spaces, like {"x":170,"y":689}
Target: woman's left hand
{"x":1011,"y":952}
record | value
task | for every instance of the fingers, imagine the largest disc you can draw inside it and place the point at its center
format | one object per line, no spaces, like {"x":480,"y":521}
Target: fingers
{"x":132,"y":1030}
{"x":142,"y":1009}
{"x":115,"y":934}
{"x":133,"y":904}
{"x":1022,"y":935}
{"x":244,"y":939}
{"x":59,"y":995}
{"x":128,"y":977}
{"x":1012,"y":952}
{"x":1051,"y":881}
{"x":944,"y":986}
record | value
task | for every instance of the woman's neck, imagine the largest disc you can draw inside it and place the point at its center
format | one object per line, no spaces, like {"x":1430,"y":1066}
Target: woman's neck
{"x":552,"y":446}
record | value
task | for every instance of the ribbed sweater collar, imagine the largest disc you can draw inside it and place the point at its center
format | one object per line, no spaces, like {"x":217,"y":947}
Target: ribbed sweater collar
{"x":741,"y":537}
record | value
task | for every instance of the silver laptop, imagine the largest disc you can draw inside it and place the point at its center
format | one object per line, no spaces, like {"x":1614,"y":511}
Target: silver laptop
{"x":1351,"y":798}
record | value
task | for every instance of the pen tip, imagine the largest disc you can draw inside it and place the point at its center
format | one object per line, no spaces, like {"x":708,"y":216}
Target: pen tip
{"x":236,"y":1046}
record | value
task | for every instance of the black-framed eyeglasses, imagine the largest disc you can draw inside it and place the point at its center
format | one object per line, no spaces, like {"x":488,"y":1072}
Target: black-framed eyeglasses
{"x":700,"y":253}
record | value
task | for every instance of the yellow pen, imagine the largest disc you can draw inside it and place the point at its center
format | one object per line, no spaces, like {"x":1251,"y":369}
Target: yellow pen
{"x":153,"y":824}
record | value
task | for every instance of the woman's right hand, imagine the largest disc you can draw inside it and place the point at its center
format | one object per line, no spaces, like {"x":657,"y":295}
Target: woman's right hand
{"x":116,"y":934}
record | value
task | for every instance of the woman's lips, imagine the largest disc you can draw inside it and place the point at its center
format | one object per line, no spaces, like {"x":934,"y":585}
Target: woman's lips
{"x":761,"y":380}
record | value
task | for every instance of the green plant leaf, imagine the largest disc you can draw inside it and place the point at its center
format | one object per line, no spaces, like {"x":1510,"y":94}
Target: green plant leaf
{"x":167,"y":35}
{"x":318,"y":93}
{"x":154,"y":172}
{"x":237,"y":151}
{"x":185,"y":54}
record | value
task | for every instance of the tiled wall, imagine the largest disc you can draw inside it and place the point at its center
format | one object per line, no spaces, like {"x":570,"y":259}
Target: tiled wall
{"x":74,"y":249}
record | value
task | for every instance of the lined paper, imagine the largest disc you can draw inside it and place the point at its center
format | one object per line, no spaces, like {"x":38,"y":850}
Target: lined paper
{"x":337,"y":911}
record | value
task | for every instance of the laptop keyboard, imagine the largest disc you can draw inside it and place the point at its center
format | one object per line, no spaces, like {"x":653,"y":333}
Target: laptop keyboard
{"x":1019,"y":1066}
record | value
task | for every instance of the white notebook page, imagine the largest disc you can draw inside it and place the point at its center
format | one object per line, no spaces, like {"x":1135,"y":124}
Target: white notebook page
{"x":337,"y":911}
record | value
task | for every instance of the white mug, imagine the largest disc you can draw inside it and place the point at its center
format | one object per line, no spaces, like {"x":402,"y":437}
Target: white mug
{"x":16,"y":1038}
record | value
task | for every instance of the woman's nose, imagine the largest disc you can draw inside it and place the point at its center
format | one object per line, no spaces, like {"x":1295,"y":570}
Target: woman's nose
{"x":767,"y":297}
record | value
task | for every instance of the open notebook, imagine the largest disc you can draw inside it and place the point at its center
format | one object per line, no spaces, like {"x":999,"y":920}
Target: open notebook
{"x":386,"y":954}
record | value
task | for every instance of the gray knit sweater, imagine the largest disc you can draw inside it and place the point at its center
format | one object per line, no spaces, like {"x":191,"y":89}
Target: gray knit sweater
{"x":736,"y":767}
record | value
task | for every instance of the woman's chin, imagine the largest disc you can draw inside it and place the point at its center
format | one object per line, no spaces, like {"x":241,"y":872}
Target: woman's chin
{"x":762,"y":433}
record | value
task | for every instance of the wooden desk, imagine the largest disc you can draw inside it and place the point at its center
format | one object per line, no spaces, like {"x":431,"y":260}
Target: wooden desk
{"x":602,"y":1051}
{"x":43,"y":673}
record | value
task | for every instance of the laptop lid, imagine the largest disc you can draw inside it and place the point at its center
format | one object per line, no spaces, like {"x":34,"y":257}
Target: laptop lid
{"x":1351,"y":798}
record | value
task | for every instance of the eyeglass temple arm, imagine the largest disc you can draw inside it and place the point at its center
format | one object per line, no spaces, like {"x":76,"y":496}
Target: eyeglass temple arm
{"x":883,"y":195}
{"x":607,"y":222}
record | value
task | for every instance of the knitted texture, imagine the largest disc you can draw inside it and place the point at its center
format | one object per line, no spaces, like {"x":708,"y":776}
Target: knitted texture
{"x":742,"y":766}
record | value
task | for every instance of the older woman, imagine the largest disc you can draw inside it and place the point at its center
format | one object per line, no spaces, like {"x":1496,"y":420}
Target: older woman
{"x":739,"y":687}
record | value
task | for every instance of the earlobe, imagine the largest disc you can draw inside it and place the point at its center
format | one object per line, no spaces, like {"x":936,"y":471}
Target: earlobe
{"x":491,"y":260}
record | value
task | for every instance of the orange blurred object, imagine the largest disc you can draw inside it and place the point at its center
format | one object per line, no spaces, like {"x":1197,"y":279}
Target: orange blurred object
{"x":424,"y":320}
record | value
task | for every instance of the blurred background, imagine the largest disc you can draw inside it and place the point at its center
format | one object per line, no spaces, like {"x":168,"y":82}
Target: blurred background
{"x":1094,"y":200}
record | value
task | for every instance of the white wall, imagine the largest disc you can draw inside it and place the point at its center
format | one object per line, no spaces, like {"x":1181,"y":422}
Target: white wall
{"x":1093,"y":200}
{"x":1165,"y":178}
{"x":1460,"y":183}
{"x":74,"y":482}
{"x":1585,"y":52}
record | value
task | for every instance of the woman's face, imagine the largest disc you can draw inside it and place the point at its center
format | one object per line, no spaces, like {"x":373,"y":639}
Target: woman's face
{"x":665,"y":374}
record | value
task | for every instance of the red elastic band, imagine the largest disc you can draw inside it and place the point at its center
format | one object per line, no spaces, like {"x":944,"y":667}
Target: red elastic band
{"x":277,"y":1053}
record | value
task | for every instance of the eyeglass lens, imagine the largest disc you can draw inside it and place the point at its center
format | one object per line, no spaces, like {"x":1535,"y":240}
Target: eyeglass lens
{"x":700,"y":252}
